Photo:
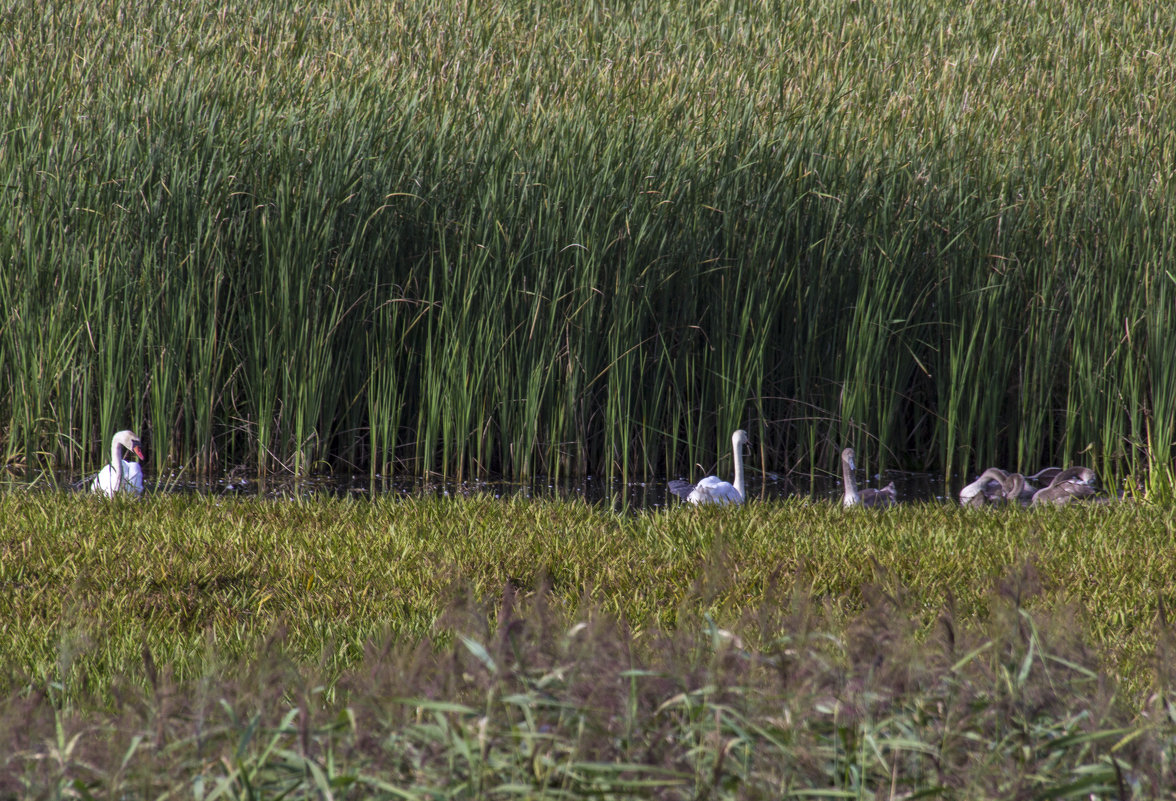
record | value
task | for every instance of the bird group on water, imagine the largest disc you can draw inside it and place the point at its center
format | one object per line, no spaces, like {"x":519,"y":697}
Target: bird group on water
{"x":1049,"y":486}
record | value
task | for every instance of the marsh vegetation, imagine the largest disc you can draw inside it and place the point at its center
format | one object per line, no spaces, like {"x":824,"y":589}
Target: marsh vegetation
{"x":486,"y":648}
{"x":559,"y":239}
{"x":571,"y":238}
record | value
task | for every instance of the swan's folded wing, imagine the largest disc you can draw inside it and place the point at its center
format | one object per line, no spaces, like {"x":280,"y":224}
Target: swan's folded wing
{"x":104,"y":481}
{"x":133,"y":477}
{"x":713,"y":489}
{"x":887,"y":496}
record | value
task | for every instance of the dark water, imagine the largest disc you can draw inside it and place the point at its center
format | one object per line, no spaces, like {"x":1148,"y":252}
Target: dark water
{"x":615,"y":492}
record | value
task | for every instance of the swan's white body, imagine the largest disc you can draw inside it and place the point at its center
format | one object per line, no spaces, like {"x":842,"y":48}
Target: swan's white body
{"x":886,"y":496}
{"x":713,"y":489}
{"x":121,"y":475}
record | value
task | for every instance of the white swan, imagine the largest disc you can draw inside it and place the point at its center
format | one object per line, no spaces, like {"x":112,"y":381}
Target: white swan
{"x":867,"y":497}
{"x":121,"y":475}
{"x":713,"y":489}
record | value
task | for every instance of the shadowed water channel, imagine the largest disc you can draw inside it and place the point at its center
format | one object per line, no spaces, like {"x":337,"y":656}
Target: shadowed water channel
{"x":615,"y":493}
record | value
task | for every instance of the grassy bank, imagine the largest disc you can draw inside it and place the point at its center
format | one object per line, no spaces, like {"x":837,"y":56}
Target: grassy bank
{"x":584,"y":239}
{"x":87,"y":584}
{"x":481,"y":648}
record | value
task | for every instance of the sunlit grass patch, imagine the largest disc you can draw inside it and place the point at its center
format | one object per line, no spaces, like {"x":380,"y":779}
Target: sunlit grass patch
{"x":528,"y":698}
{"x":88,"y":583}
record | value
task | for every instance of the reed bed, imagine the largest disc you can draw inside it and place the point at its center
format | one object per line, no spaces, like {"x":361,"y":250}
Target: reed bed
{"x":480,"y":648}
{"x":575,"y":238}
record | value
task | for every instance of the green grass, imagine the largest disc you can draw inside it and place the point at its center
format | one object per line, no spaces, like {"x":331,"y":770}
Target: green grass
{"x":91,"y":582}
{"x":579,"y":239}
{"x":425,"y":647}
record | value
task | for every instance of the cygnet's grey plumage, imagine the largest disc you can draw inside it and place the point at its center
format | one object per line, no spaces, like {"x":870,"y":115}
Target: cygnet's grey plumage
{"x":874,"y":498}
{"x":995,"y":486}
{"x":1062,"y":492}
{"x":1071,"y":484}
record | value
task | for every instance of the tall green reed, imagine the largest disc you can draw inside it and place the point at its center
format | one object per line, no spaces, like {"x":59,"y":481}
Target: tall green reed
{"x":432,"y":241}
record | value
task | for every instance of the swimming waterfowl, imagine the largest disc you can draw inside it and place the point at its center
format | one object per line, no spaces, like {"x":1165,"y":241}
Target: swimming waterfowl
{"x":1071,"y":484}
{"x":1059,"y":493}
{"x":713,"y":489}
{"x":976,"y":493}
{"x":886,"y":496}
{"x":996,"y":486}
{"x":1043,"y":476}
{"x":1081,"y":475}
{"x":988,"y":488}
{"x":121,"y":475}
{"x":1016,"y":489}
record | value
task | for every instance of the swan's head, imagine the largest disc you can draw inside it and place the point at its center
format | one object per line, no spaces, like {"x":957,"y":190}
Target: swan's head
{"x":847,"y":458}
{"x":129,"y":441}
{"x":739,"y":439}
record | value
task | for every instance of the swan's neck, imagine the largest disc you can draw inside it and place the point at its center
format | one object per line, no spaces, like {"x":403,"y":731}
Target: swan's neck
{"x":739,"y":471}
{"x":116,"y":454}
{"x":851,"y":494}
